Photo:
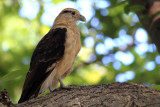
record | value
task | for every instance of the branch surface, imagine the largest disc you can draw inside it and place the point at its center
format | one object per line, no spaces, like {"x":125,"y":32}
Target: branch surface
{"x":110,"y":95}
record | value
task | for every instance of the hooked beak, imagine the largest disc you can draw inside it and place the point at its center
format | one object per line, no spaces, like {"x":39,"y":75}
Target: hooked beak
{"x":82,"y":18}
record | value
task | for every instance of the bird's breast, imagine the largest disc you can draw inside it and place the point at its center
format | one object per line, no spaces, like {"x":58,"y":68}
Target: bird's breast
{"x":73,"y":43}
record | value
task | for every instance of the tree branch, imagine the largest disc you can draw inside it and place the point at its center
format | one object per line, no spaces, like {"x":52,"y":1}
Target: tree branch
{"x":110,"y":95}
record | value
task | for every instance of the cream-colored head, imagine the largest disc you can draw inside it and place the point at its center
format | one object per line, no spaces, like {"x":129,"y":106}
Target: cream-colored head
{"x":73,"y":13}
{"x":69,"y":15}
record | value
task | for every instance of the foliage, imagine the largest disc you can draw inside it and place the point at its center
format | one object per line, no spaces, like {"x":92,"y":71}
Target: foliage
{"x":96,"y":64}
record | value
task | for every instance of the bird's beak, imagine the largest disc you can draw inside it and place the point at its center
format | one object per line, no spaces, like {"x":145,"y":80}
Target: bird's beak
{"x":82,"y":18}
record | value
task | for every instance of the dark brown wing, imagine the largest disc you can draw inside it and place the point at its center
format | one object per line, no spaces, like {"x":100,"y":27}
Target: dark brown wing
{"x":49,"y":50}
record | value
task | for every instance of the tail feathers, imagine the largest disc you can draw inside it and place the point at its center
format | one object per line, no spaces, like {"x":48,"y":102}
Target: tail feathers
{"x":34,"y":81}
{"x":31,"y":89}
{"x":29,"y":93}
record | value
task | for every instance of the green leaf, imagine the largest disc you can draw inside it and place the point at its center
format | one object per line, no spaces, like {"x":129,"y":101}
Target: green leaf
{"x":132,"y":29}
{"x":133,"y":8}
{"x":13,"y":75}
{"x":58,"y":1}
{"x":156,"y":14}
{"x":157,"y":87}
{"x":118,"y":4}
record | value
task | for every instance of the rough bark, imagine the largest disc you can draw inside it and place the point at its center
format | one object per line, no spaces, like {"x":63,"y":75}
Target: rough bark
{"x":109,"y":95}
{"x":4,"y":98}
{"x":152,"y":25}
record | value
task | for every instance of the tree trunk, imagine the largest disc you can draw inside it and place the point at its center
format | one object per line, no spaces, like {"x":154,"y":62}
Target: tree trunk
{"x":152,"y":22}
{"x":110,"y":95}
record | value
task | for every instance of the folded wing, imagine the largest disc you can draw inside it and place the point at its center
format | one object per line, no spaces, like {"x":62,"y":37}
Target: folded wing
{"x":49,"y":50}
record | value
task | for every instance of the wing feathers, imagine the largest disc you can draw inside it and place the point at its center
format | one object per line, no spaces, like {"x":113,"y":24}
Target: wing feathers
{"x":48,"y":51}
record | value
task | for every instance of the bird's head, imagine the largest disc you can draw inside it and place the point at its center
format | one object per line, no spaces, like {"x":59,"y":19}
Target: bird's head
{"x":69,"y":15}
{"x":72,"y":14}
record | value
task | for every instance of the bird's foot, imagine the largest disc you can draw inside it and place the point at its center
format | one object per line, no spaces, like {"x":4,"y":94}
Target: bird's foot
{"x":62,"y":86}
{"x":65,"y":87}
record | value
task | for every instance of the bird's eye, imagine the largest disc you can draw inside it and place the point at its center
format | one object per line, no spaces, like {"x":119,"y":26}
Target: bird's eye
{"x":73,"y":13}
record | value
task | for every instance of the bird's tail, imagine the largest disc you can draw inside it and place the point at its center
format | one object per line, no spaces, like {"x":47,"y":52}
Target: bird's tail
{"x":31,"y":88}
{"x":29,"y":93}
{"x":34,"y":81}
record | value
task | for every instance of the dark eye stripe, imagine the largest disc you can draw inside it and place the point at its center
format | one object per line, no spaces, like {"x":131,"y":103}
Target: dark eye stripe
{"x":73,"y":13}
{"x":67,"y":11}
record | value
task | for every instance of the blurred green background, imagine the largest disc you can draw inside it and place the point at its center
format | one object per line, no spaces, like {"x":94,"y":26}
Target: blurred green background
{"x":115,"y":47}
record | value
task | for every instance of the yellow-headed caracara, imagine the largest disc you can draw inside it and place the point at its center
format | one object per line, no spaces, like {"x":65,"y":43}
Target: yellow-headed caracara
{"x":53,"y":58}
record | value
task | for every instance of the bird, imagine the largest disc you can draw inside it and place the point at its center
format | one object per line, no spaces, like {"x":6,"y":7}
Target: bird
{"x":54,"y":55}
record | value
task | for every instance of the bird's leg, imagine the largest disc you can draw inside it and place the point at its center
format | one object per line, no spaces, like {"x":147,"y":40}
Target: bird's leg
{"x":62,"y":85}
